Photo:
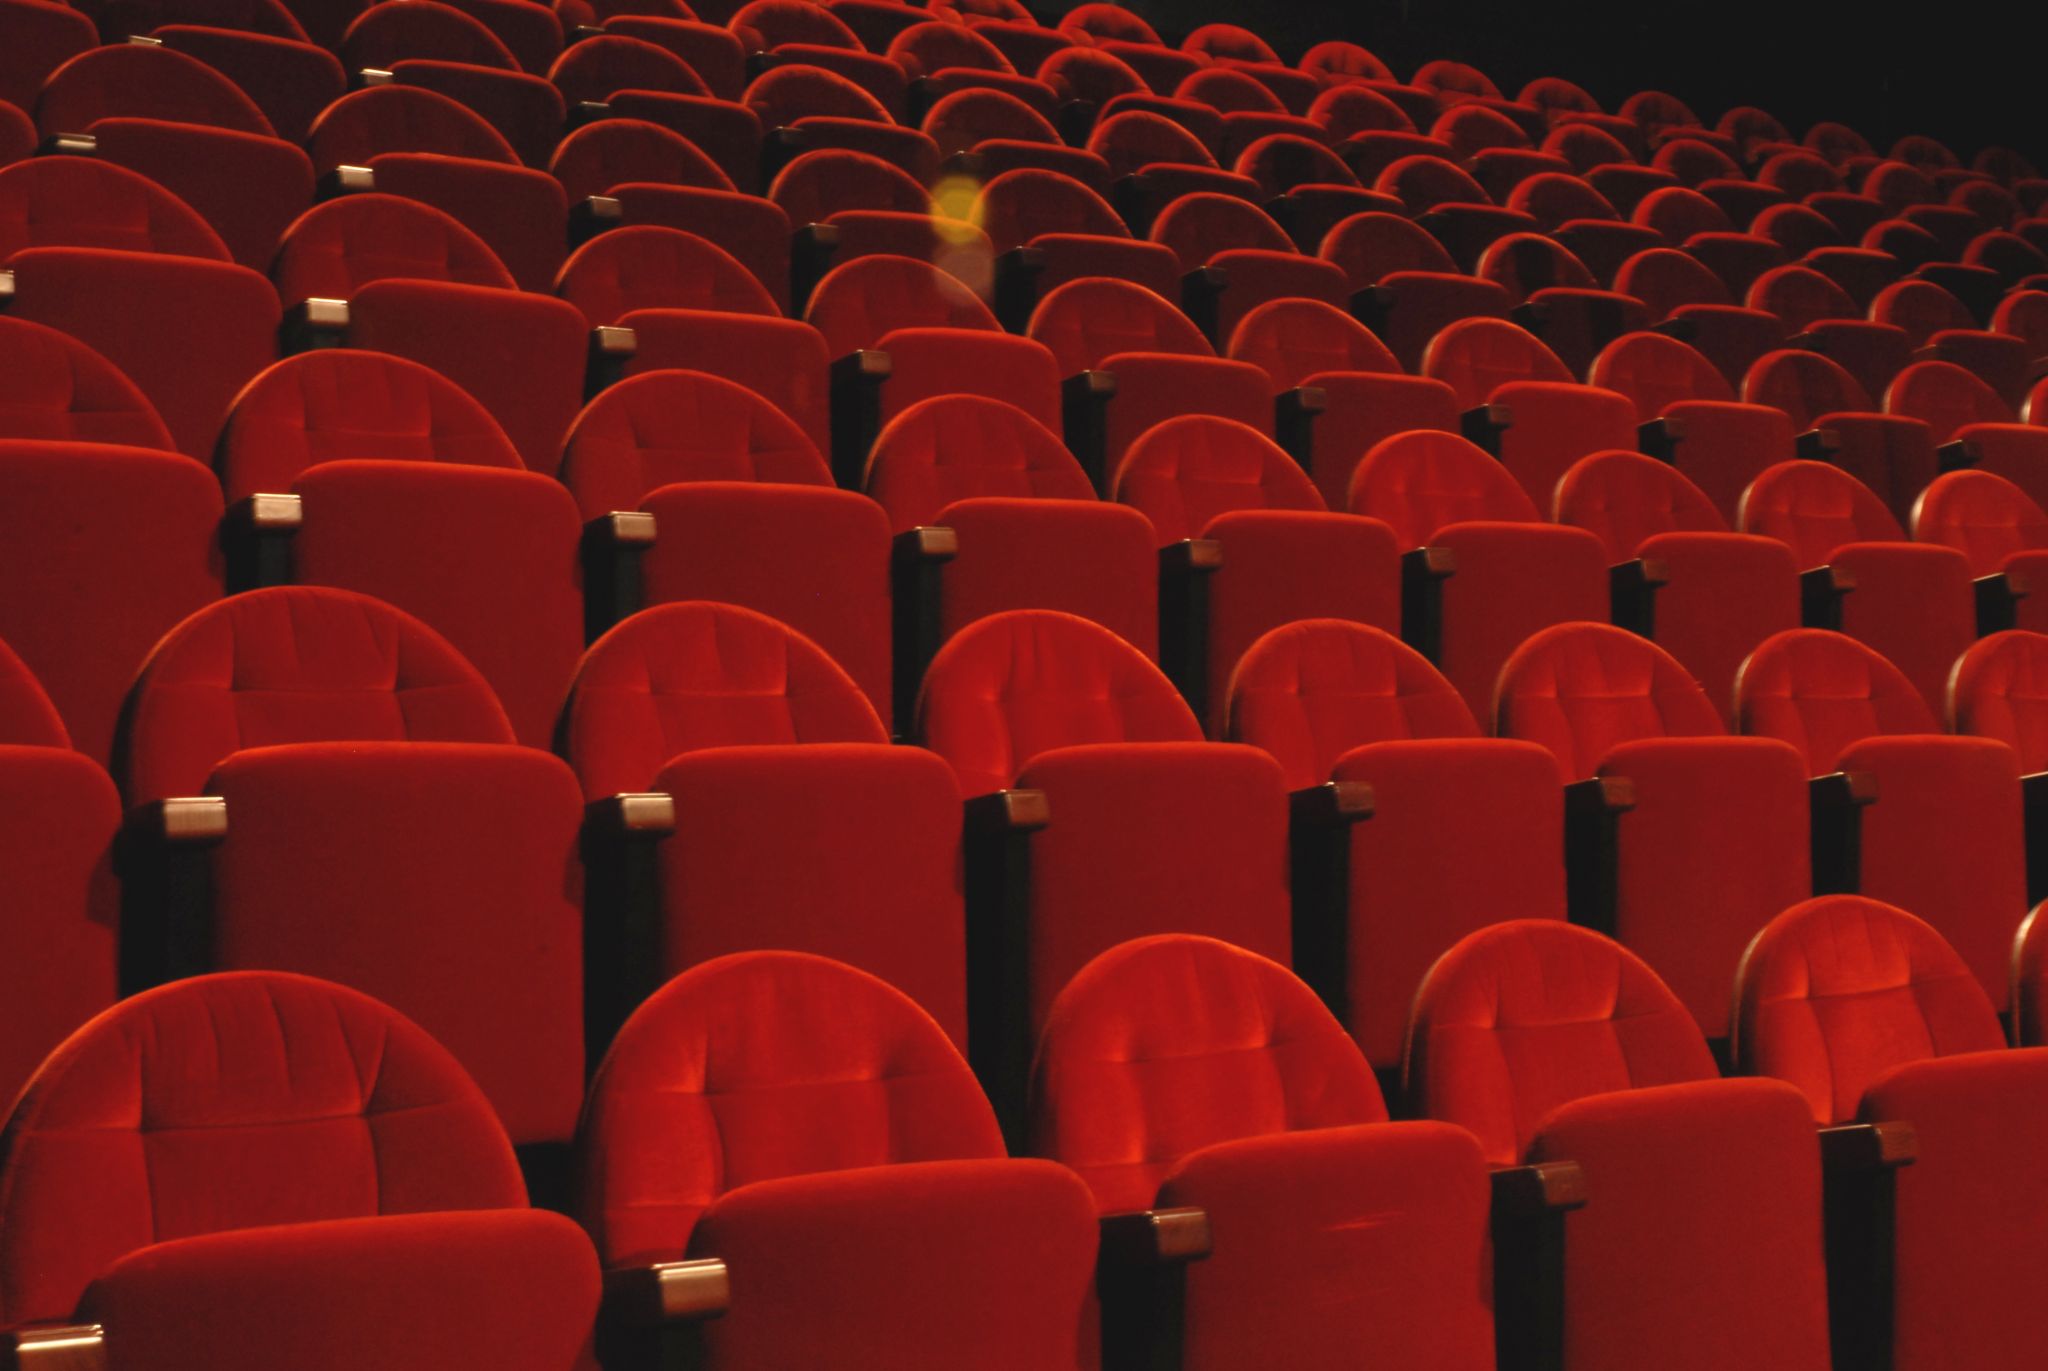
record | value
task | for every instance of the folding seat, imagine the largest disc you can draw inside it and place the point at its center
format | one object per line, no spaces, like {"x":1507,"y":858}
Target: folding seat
{"x":754,"y":230}
{"x":377,"y":119}
{"x":610,"y":152}
{"x":1551,"y":285}
{"x":409,"y":491}
{"x":1340,"y":63}
{"x":1418,"y":1286}
{"x":1663,"y":117}
{"x":1714,"y":842}
{"x":1911,"y":602}
{"x":1236,"y":258}
{"x":1455,"y":83}
{"x":1088,"y":75}
{"x":1471,"y":129}
{"x":386,"y":32}
{"x":877,"y":22}
{"x":1820,"y":311}
{"x":1284,"y":556}
{"x":82,"y":202}
{"x":1451,"y":205}
{"x":1959,"y":408}
{"x":56,"y":388}
{"x":1861,"y":272}
{"x":2008,"y":254}
{"x":1340,"y":701}
{"x":1499,"y":170}
{"x":247,"y":187}
{"x":1627,"y":185}
{"x":519,"y":213}
{"x":1305,"y":344}
{"x":825,"y":110}
{"x":806,"y":1216}
{"x":1999,"y":527}
{"x":1891,"y":454}
{"x":1799,"y":229}
{"x":1838,"y":143}
{"x":645,"y":267}
{"x":710,"y":50}
{"x":744,"y":512}
{"x":290,"y":81}
{"x":1689,"y":415}
{"x":1800,"y":174}
{"x":1246,"y":52}
{"x":525,"y":109}
{"x":1703,"y":229}
{"x":592,"y":70}
{"x":2004,"y":165}
{"x":1161,"y":364}
{"x":1911,"y":245}
{"x":326,"y":1155}
{"x":1348,"y":110}
{"x":43,"y":37}
{"x":1070,"y":232}
{"x":1721,"y":594}
{"x":1694,"y":163}
{"x":1507,"y":575}
{"x":1552,"y":1043}
{"x":765,"y":25}
{"x":1203,"y":122}
{"x":1555,"y":199}
{"x":1551,"y":420}
{"x":187,"y":332}
{"x":1154,"y":159}
{"x":142,"y":82}
{"x":1125,"y":36}
{"x":341,"y":245}
{"x":1896,"y":185}
{"x":944,"y":59}
{"x":346,"y":741}
{"x":1411,"y":289}
{"x":1946,"y":835}
{"x":1873,"y":1015}
{"x":1586,"y":147}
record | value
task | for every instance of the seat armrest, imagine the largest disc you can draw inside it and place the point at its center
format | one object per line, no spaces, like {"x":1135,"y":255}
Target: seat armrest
{"x":1017,"y":273}
{"x":256,"y":538}
{"x":613,"y":546}
{"x":1958,"y":455}
{"x":917,"y":560}
{"x":1485,"y":424}
{"x":1184,"y":571}
{"x":165,"y":856}
{"x":1294,"y":420}
{"x":1529,"y":1208}
{"x":856,"y":398}
{"x":344,"y":180}
{"x":1837,"y":801}
{"x":1084,"y":420}
{"x":996,"y":847}
{"x":1201,"y":296}
{"x":1660,"y":438}
{"x":592,"y":215}
{"x":1423,"y":573}
{"x":1141,"y":1279}
{"x":313,"y":324}
{"x":1632,"y":594}
{"x":1821,"y":591}
{"x":611,"y":348}
{"x":1817,"y":445}
{"x":667,"y":1292}
{"x":1320,"y":820}
{"x":811,"y":249}
{"x":1859,"y":1204}
{"x":57,"y":1347}
{"x":1592,"y":848}
{"x":1998,"y":599}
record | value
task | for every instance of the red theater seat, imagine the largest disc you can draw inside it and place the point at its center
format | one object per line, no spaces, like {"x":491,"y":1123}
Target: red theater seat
{"x":377,"y":119}
{"x":142,"y":82}
{"x":54,"y":387}
{"x":1892,"y":455}
{"x":80,"y":202}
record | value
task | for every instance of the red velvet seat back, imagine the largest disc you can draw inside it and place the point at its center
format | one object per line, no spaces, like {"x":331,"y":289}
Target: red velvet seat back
{"x":645,"y":266}
{"x":1279,"y":162}
{"x":1822,"y":691}
{"x":142,"y":82}
{"x":294,"y":664}
{"x":1083,"y":73}
{"x":1666,"y":279}
{"x":334,"y":404}
{"x":1581,"y":689}
{"x":767,"y":24}
{"x":1657,"y":372}
{"x":1088,"y":320}
{"x":1839,"y":991}
{"x":597,"y":68}
{"x":1184,"y":472}
{"x":965,"y":119}
{"x":1311,"y":691}
{"x":377,"y":119}
{"x":1555,"y":198}
{"x":1999,"y":689}
{"x":1017,"y":684}
{"x":1422,"y":182}
{"x":662,"y":428}
{"x":1805,"y":385}
{"x":226,"y":1102}
{"x":1296,"y":340}
{"x":1476,"y":356}
{"x":595,"y":158}
{"x":54,"y":387}
{"x":388,"y":33}
{"x":1985,"y":517}
{"x":1131,"y":140}
{"x":82,"y":203}
{"x":782,"y":95}
{"x":1228,"y":92}
{"x":1524,"y":1017}
{"x":1625,"y":498}
{"x":690,"y":675}
{"x":1170,"y":1044}
{"x":336,"y":248}
{"x":932,"y":47}
{"x":1815,"y":508}
{"x":1201,"y":224}
{"x":818,"y":184}
{"x":1922,"y":308}
{"x":1945,"y":397}
{"x":860,"y":302}
{"x":760,"y":1066}
{"x":1801,"y":296}
{"x":1018,"y":205}
{"x":961,"y":447}
{"x":1371,"y":245}
{"x":1421,"y":482}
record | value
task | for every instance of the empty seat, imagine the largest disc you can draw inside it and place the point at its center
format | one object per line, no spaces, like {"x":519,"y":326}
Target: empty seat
{"x":648,"y":267}
{"x":1992,"y":694}
{"x":593,"y":70}
{"x":1285,"y":557}
{"x":1891,"y":454}
{"x":411,"y":1192}
{"x":1810,"y":303}
{"x":1553,"y":1044}
{"x":385,"y":33}
{"x":142,"y":82}
{"x":805,"y":1213}
{"x":44,"y":37}
{"x":336,"y":248}
{"x":1552,"y":419}
{"x":54,"y":387}
{"x":1254,"y":261}
{"x":85,"y":203}
{"x":1912,"y":602}
{"x":1679,"y":289}
{"x":377,"y":119}
{"x":520,"y":213}
{"x":1071,"y":230}
{"x":1274,"y":1282}
{"x":524,"y":108}
{"x":1410,"y":288}
{"x":1945,"y":837}
{"x":1995,"y":524}
{"x":1873,"y":1016}
{"x":248,"y":188}
{"x":1340,"y":701}
{"x":1578,"y":317}
{"x":1960,"y":408}
{"x":1511,"y":574}
{"x":609,"y":152}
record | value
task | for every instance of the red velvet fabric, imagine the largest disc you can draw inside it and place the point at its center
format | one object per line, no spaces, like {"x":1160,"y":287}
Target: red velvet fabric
{"x":1281,"y":162}
{"x":845,"y":850}
{"x":1837,"y":992}
{"x":1017,"y":206}
{"x":518,"y":354}
{"x":334,"y":404}
{"x":85,"y":203}
{"x":294,"y":664}
{"x":143,"y":82}
{"x":685,"y":676}
{"x":54,"y":387}
{"x":1017,"y":684}
{"x":1969,"y":1250}
{"x":410,"y":1293}
{"x":815,"y":185}
{"x":648,"y":267}
{"x":595,"y":69}
{"x":857,"y":304}
{"x":1995,"y":693}
{"x":382,"y":34}
{"x":783,"y":94}
{"x":1420,"y":482}
{"x":1131,"y":140}
{"x":27,"y":718}
{"x":1581,"y":688}
{"x":1914,"y":604}
{"x":249,"y":188}
{"x":1184,"y":472}
{"x":757,"y":1067}
{"x":1098,"y":561}
{"x":401,"y":118}
{"x":489,"y":558}
{"x":108,"y":547}
{"x":1014,"y":110}
{"x":441,"y":878}
{"x":1983,"y":516}
{"x":268,"y":1099}
{"x":335,"y":249}
{"x":60,"y":815}
{"x":783,"y":361}
{"x":1202,"y":224}
{"x":955,"y":447}
{"x":1624,"y":498}
{"x":523,"y":108}
{"x":753,"y":230}
{"x":610,"y":152}
{"x":929,"y":363}
{"x":1814,"y":509}
{"x":1085,"y":322}
{"x":1373,"y":245}
{"x":1946,"y":398}
{"x":1526,"y":1016}
{"x":187,"y":332}
{"x":729,"y":132}
{"x":533,"y":39}
{"x":1821,"y":692}
{"x":1700,"y":1244}
{"x":519,"y":213}
{"x":1152,"y":387}
{"x":45,"y":36}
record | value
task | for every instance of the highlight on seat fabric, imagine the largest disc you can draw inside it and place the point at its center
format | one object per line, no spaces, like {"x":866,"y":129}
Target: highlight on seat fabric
{"x":54,"y":387}
{"x":81,"y":202}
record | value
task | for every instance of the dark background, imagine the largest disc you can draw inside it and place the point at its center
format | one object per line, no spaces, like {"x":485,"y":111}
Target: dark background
{"x":1964,"y":71}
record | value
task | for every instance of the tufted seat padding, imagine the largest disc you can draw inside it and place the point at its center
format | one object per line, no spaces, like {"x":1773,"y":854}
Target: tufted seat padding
{"x":82,"y":203}
{"x":334,"y":249}
{"x":645,"y":266}
{"x":54,"y":387}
